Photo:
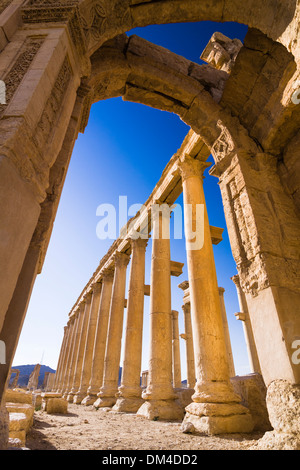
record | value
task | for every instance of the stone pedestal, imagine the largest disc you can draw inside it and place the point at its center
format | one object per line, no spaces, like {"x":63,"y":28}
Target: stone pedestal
{"x":129,"y":395}
{"x":215,"y":408}
{"x":160,"y":399}
{"x":107,"y":394}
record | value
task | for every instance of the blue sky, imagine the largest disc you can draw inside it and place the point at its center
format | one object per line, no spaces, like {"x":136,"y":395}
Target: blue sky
{"x":122,"y":153}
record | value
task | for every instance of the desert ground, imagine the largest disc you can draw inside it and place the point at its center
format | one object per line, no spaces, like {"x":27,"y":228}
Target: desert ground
{"x":85,"y":428}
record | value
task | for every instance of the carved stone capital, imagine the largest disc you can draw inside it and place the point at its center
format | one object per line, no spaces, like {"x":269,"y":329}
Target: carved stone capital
{"x":175,"y":313}
{"x":139,"y":243}
{"x":236,"y":280}
{"x":121,"y":259}
{"x":189,"y":167}
{"x":96,"y":287}
{"x":108,"y":274}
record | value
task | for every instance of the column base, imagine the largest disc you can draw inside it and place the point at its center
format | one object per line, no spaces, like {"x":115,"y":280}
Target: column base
{"x":105,"y":402}
{"x":89,"y":400}
{"x":128,"y":405}
{"x":161,"y":410}
{"x":70,"y":398}
{"x":219,"y":418}
{"x":78,"y":397}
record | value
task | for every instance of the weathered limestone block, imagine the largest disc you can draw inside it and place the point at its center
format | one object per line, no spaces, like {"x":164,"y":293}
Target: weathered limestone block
{"x":18,"y":421}
{"x":219,"y":418}
{"x":22,"y":408}
{"x":18,"y":396}
{"x":37,"y":400}
{"x":54,"y":403}
{"x":252,"y":391}
{"x":18,"y":426}
{"x":283,"y":403}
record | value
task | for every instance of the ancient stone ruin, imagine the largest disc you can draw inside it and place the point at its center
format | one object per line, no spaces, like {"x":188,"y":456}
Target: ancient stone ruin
{"x":242,"y":107}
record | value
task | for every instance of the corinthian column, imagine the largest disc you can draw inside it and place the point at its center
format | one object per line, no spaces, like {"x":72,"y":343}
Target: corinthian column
{"x":215,"y":408}
{"x":129,"y":395}
{"x":176,"y":351}
{"x":100,"y":338}
{"x":109,"y":388}
{"x":89,"y":345}
{"x":160,"y":398}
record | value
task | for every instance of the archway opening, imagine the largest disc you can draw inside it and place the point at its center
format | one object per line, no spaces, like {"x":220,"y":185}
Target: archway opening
{"x":122,"y":153}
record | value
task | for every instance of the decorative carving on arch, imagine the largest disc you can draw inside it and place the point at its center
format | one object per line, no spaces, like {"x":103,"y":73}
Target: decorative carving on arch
{"x":224,"y":145}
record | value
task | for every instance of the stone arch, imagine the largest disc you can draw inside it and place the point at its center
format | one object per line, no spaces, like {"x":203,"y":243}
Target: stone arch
{"x":141,"y":72}
{"x":103,"y":20}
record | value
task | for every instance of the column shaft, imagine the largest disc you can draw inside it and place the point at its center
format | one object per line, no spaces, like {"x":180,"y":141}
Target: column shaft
{"x":247,"y":327}
{"x":74,"y":373}
{"x":109,"y":388}
{"x":71,"y":365}
{"x":100,"y":338}
{"x":190,"y":362}
{"x":89,"y":346}
{"x":176,"y":351}
{"x":226,"y":334}
{"x":65,"y":358}
{"x":130,"y":390}
{"x":159,"y":395}
{"x":81,"y":347}
{"x":60,"y":360}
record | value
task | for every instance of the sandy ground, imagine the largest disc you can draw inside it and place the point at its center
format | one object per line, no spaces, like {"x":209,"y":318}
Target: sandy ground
{"x":85,"y":428}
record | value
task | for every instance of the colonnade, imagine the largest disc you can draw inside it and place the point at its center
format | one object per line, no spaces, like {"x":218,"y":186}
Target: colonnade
{"x":89,"y":363}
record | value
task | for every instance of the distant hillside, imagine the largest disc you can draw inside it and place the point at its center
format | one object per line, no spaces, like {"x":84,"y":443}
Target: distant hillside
{"x":25,"y":372}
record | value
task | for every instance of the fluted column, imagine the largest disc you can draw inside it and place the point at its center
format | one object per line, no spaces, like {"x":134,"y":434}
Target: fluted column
{"x":96,"y":379}
{"x":226,"y":333}
{"x":188,"y":337}
{"x":160,"y":398}
{"x":81,"y":346}
{"x":129,"y":395}
{"x":176,"y":351}
{"x":109,"y":387}
{"x":73,"y":376}
{"x":89,"y":346}
{"x":243,"y":315}
{"x":215,"y":408}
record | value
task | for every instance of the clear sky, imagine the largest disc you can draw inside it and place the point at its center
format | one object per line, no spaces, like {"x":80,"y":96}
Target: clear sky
{"x":123,"y":152}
